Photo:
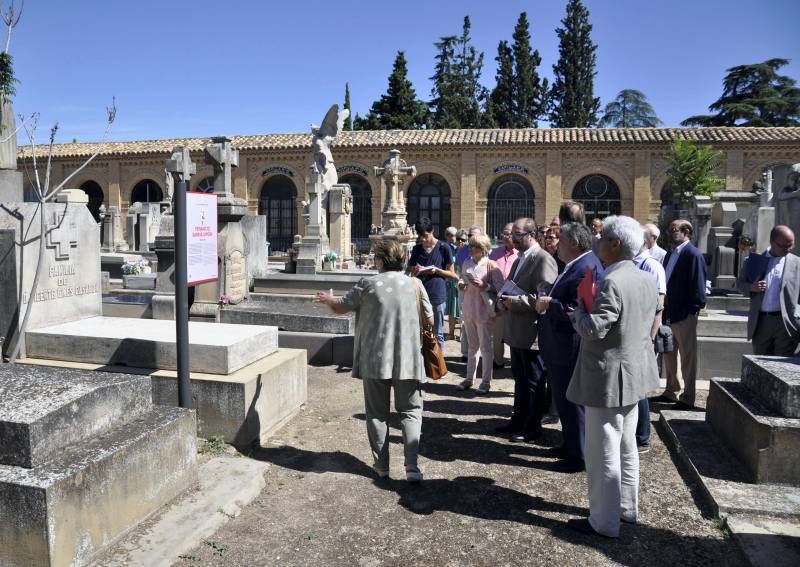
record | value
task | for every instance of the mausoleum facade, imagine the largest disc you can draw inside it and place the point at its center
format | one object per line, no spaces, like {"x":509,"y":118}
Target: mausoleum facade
{"x":464,"y":177}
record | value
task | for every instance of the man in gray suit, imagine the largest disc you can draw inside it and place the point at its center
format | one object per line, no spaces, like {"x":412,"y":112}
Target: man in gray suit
{"x":616,"y":368}
{"x":533,"y":267}
{"x":773,"y":323}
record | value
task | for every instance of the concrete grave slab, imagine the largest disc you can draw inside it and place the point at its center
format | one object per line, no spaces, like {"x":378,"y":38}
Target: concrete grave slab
{"x":776,"y":382}
{"x":42,"y":412}
{"x":149,"y":343}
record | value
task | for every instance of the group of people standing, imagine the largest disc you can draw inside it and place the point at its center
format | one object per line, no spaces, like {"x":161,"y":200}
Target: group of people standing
{"x":581,"y":315}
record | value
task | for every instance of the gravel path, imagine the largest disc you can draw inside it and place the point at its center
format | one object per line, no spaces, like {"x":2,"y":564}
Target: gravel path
{"x":484,"y":501}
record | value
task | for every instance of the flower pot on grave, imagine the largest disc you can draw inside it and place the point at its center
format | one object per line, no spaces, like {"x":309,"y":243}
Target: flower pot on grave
{"x":327,"y":266}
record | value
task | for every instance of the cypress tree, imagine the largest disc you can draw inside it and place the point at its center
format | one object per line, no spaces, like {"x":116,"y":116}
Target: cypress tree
{"x":399,"y":108}
{"x":530,"y":92}
{"x":457,"y":97}
{"x":501,"y":101}
{"x":572,"y":100}
{"x":348,"y":123}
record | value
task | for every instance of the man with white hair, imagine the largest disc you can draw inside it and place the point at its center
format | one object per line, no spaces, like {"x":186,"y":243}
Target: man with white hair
{"x":616,"y":368}
{"x":651,"y":234}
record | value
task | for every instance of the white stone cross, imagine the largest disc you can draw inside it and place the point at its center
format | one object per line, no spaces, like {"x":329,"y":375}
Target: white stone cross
{"x":62,"y":237}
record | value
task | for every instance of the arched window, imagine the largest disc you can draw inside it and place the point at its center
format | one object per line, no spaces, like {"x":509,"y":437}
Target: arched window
{"x":206,"y":185}
{"x":95,"y":194}
{"x":510,"y":197}
{"x":277,"y":201}
{"x":147,"y":191}
{"x":429,"y":196}
{"x":599,"y":196}
{"x":362,"y":209}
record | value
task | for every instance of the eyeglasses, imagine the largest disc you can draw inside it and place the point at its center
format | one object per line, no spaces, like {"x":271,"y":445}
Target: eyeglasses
{"x":506,"y":233}
{"x":551,"y":237}
{"x":462,"y":239}
{"x":520,"y":234}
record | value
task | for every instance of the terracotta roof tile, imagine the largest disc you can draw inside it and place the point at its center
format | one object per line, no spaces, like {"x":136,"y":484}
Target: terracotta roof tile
{"x":406,"y":138}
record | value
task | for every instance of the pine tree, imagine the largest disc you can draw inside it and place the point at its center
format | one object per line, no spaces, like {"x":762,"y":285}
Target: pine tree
{"x":754,"y":95}
{"x":501,"y":101}
{"x":572,"y":100}
{"x":348,"y":123}
{"x":530,"y":92}
{"x":629,"y":109}
{"x":457,"y":97}
{"x":399,"y":108}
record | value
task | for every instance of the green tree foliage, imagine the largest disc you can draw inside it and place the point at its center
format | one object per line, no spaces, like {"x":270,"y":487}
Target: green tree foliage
{"x":457,"y":97}
{"x":8,"y":81}
{"x":629,"y":109}
{"x":754,"y":95}
{"x":348,"y":123}
{"x":501,"y":102}
{"x":530,"y":92}
{"x":572,"y":100}
{"x":691,"y":170}
{"x":399,"y":108}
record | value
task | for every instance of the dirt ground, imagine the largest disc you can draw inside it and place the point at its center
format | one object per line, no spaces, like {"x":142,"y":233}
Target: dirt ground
{"x":484,"y":500}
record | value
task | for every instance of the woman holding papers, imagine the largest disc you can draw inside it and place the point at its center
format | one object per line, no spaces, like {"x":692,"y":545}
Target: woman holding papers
{"x":480,"y":280}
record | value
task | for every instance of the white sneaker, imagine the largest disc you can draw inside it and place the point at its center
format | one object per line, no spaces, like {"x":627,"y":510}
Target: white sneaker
{"x":484,"y":387}
{"x":465,"y":385}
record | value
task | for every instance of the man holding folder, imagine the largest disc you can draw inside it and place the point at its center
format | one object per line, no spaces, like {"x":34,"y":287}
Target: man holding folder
{"x":772,"y":280}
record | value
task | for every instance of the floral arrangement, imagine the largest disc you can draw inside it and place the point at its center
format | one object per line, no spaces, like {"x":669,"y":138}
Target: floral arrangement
{"x":331,"y":256}
{"x":140,"y":266}
{"x":224,"y":299}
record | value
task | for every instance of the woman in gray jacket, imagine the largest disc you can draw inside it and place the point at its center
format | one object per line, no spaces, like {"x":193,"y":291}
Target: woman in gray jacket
{"x":387,"y":353}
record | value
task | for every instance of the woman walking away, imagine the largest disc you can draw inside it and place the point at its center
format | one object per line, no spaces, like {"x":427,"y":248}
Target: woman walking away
{"x":387,"y":351}
{"x":480,"y":281}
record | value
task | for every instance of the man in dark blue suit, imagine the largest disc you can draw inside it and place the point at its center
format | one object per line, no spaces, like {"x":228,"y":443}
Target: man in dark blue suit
{"x":558,"y":341}
{"x":685,"y":269}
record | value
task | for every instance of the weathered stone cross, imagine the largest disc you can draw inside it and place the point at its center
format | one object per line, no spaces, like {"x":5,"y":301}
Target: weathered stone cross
{"x":223,"y":157}
{"x":180,"y":165}
{"x":394,"y":170}
{"x":62,"y":237}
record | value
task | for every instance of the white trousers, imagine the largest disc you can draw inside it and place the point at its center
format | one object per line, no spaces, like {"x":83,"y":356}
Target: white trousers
{"x":479,"y":341}
{"x":612,"y":467}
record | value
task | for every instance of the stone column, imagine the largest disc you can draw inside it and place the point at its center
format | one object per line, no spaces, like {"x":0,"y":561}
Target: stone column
{"x":552,"y":190}
{"x":469,"y":191}
{"x":641,"y":186}
{"x":114,"y":194}
{"x":240,"y":188}
{"x":734,"y":170}
{"x":340,"y":208}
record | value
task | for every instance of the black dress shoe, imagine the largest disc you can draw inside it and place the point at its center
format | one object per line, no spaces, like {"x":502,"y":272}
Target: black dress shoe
{"x":662,"y":399}
{"x":550,"y":419}
{"x":525,"y":436}
{"x":582,"y":525}
{"x":683,"y":406}
{"x":569,"y":466}
{"x":508,"y":428}
{"x":497,"y":366}
{"x":557,"y":452}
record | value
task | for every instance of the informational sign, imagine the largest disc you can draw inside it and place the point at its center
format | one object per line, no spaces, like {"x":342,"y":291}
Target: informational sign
{"x":201,"y":238}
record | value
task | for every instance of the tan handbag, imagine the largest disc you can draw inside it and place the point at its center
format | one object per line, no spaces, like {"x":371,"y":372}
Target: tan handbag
{"x":432,"y":356}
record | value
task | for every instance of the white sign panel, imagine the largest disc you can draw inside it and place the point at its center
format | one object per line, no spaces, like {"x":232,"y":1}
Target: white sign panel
{"x":201,"y":237}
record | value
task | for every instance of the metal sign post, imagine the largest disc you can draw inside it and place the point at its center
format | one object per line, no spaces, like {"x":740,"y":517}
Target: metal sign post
{"x":182,"y":168}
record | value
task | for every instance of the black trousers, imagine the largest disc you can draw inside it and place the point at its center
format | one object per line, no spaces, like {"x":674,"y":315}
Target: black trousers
{"x":770,"y":337}
{"x":530,"y":399}
{"x":571,"y":415}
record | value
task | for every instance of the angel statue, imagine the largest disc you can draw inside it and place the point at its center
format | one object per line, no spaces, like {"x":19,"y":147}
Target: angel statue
{"x":323,"y":138}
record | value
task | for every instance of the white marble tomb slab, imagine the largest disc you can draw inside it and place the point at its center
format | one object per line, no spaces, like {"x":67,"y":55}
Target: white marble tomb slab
{"x":215,"y":348}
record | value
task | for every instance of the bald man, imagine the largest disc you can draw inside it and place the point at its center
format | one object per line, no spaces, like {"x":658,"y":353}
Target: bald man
{"x":773,"y":323}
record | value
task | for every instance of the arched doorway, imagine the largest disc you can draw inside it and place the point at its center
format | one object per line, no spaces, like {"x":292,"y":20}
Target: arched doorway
{"x":95,"y":194}
{"x":147,"y":191}
{"x":599,"y":195}
{"x":206,"y":185}
{"x":278,"y":202}
{"x":510,"y":197}
{"x":429,"y":196}
{"x":362,"y":209}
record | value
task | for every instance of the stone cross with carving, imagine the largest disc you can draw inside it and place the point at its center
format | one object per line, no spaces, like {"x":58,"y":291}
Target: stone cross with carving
{"x":62,"y":237}
{"x":394,"y":170}
{"x":223,"y":157}
{"x":180,"y":165}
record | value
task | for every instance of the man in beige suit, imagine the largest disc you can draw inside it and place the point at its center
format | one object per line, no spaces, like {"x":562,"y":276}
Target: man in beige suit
{"x":616,"y":368}
{"x":533,"y":268}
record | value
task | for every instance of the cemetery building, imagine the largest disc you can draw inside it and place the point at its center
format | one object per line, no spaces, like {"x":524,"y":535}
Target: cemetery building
{"x":464,"y":177}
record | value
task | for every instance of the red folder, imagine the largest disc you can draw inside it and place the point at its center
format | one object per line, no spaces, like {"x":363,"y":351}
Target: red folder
{"x":587,"y":289}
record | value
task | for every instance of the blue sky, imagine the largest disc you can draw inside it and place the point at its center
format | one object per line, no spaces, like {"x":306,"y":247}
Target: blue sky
{"x":205,"y":67}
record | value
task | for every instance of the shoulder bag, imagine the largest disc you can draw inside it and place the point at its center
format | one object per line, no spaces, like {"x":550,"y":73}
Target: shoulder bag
{"x":432,"y":356}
